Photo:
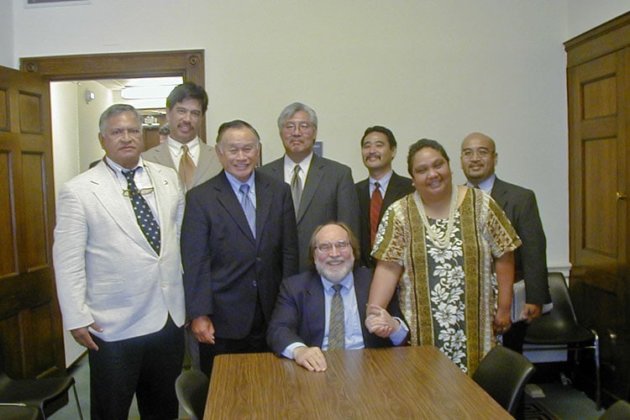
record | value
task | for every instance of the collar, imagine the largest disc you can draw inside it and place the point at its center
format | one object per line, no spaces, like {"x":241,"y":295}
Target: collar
{"x":176,"y":147}
{"x":236,"y":183}
{"x":117,"y":169}
{"x":485,"y":185}
{"x":346,"y":283}
{"x":383,"y":182}
{"x":304,"y":164}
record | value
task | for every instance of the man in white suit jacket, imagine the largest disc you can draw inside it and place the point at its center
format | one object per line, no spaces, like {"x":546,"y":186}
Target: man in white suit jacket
{"x":186,"y":106}
{"x":121,"y":297}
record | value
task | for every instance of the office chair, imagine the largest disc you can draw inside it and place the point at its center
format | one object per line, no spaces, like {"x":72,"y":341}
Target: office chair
{"x":618,"y":411}
{"x":36,"y":393}
{"x":560,"y":328}
{"x":191,"y":388}
{"x":503,"y":373}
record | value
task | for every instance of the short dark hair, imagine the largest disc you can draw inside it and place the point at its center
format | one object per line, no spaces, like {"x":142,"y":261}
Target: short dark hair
{"x":114,"y":110}
{"x":383,"y":130}
{"x":164,"y":130}
{"x":354,"y":242}
{"x":187,"y":90}
{"x":421,"y":144}
{"x":235,"y":124}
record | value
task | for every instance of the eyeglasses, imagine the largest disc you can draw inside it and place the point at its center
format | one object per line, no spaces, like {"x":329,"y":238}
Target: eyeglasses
{"x":302,"y":125}
{"x":483,"y":153}
{"x":327,"y":247}
{"x":141,"y":191}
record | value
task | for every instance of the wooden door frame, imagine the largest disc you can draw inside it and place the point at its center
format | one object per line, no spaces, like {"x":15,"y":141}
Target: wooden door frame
{"x":189,"y":64}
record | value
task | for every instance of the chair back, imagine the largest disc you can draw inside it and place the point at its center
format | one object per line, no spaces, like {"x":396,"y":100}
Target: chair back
{"x":618,"y":411}
{"x":503,"y":373}
{"x":191,"y":388}
{"x":560,"y":319}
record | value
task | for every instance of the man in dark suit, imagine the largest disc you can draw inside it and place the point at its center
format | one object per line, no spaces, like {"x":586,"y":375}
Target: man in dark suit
{"x":238,"y":242}
{"x":194,"y":160}
{"x":300,"y":328}
{"x":322,"y":190}
{"x":381,"y":188}
{"x":479,"y":158}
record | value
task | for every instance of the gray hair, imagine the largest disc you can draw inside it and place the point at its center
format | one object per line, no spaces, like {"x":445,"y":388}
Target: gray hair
{"x":291,"y":109}
{"x":114,"y":110}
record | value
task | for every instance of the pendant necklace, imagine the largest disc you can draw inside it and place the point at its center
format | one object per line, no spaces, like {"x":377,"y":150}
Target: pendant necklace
{"x":434,"y":235}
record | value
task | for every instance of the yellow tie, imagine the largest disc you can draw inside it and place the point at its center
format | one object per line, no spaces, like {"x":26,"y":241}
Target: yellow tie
{"x":186,"y":168}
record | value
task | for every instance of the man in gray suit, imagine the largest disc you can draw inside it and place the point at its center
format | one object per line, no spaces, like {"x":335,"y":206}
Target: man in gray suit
{"x":118,"y":272}
{"x":322,"y":189}
{"x":478,"y":159}
{"x":381,"y":188}
{"x":195,"y":161}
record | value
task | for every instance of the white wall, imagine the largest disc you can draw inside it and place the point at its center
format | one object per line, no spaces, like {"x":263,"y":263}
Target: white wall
{"x":89,"y":114}
{"x":6,"y":34}
{"x":584,"y":15}
{"x":423,"y":68}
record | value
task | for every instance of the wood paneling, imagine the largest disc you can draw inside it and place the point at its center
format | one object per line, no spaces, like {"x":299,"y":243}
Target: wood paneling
{"x":30,"y":322}
{"x":598,"y":82}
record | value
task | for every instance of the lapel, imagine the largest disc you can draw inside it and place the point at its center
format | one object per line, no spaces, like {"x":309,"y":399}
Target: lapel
{"x":313,"y":180}
{"x":206,"y":156}
{"x":363,"y":191}
{"x":229,"y":201}
{"x":395,"y":190}
{"x":314,"y":304}
{"x":361,"y":291}
{"x":108,"y":193}
{"x":160,"y":185}
{"x":264,"y":200}
{"x":499,"y":193}
{"x":163,"y":156}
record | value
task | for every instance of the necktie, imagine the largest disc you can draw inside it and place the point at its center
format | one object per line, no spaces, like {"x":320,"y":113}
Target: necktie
{"x":376,"y":202}
{"x":336,"y":334}
{"x":186,"y":168}
{"x":296,"y":188}
{"x":144,"y":215}
{"x":248,"y":208}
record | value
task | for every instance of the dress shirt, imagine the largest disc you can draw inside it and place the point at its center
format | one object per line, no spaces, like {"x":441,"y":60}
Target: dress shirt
{"x":142,"y":180}
{"x":175,"y":148}
{"x":485,"y":185}
{"x":383,"y":182}
{"x":236,"y":185}
{"x":304,"y":166}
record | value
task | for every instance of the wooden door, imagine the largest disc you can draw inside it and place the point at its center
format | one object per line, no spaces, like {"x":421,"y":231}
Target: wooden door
{"x":598,"y":78}
{"x":30,"y":323}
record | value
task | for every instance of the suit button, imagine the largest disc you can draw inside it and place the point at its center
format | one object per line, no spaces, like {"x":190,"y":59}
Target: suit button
{"x":254,"y":283}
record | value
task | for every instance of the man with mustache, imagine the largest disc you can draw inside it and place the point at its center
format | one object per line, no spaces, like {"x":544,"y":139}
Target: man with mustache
{"x":381,"y":188}
{"x":304,"y":319}
{"x":194,"y":160}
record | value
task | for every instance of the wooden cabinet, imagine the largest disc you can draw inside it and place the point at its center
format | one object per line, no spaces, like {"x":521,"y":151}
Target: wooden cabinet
{"x":598,"y":82}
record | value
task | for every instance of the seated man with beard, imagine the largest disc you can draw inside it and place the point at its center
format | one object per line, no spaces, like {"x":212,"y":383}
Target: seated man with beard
{"x":324,"y":309}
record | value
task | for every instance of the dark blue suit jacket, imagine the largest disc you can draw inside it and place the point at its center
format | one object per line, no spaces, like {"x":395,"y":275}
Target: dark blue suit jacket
{"x":299,"y":313}
{"x":225,"y":268}
{"x":399,"y":186}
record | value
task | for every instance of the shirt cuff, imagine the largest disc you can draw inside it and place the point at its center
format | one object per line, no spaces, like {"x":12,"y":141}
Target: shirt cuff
{"x":288,"y":351}
{"x":399,"y":336}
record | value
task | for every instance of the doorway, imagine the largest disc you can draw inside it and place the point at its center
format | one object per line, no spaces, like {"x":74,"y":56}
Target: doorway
{"x":86,"y":70}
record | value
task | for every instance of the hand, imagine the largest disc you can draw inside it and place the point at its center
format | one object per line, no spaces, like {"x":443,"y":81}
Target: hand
{"x":310,"y":358}
{"x":531,"y":312}
{"x":203,"y":329}
{"x":83,"y":337}
{"x":502,"y":321}
{"x":379,"y":322}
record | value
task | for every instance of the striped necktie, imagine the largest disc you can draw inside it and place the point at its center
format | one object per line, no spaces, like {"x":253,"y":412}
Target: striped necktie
{"x":336,"y":333}
{"x":376,"y":202}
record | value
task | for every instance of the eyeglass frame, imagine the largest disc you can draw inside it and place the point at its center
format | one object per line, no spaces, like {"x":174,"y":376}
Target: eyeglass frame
{"x":328,"y":247}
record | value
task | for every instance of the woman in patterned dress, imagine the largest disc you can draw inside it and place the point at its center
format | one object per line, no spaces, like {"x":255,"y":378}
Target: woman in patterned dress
{"x":448,"y":250}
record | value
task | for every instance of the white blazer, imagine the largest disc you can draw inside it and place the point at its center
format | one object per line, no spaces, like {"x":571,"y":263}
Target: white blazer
{"x":106,"y":271}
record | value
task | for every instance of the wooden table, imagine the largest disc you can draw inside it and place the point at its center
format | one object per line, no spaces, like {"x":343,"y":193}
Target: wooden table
{"x":402,"y":382}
